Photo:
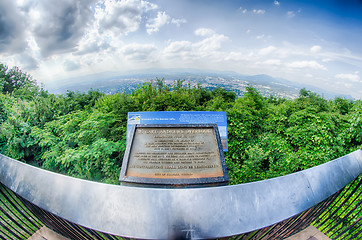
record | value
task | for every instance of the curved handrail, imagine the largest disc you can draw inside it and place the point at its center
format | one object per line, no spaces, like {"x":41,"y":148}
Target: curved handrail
{"x":158,"y":213}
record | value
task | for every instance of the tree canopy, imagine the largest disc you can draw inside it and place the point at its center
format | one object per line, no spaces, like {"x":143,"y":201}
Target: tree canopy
{"x":84,"y":134}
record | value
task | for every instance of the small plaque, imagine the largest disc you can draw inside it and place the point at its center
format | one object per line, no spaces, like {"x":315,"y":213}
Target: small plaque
{"x":176,"y":154}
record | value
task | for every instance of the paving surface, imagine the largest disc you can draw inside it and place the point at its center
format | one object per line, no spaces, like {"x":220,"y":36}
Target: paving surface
{"x":46,"y":234}
{"x":310,"y":233}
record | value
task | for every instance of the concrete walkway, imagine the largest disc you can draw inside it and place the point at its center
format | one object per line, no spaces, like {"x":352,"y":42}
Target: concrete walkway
{"x":310,"y":233}
{"x":45,"y":233}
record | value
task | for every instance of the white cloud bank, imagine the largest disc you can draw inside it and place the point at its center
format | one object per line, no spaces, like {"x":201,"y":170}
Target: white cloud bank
{"x":307,"y":64}
{"x":208,"y":47}
{"x":267,"y":50}
{"x":348,"y":76}
{"x":316,"y":49}
{"x":162,"y":19}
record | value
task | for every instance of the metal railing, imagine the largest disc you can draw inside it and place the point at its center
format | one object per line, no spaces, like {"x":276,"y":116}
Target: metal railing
{"x":16,"y":221}
{"x":270,"y":209}
{"x":343,"y":218}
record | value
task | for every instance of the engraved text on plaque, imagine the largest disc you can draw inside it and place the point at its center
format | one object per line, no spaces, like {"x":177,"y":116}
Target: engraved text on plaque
{"x":174,"y":153}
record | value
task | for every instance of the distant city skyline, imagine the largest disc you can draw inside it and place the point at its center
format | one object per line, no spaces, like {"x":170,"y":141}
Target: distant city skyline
{"x":311,"y":42}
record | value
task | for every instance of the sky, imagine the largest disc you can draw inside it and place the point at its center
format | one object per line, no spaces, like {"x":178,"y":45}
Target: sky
{"x":312,"y":42}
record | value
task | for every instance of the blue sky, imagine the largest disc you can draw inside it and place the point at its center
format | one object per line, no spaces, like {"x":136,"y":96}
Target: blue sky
{"x":312,"y":42}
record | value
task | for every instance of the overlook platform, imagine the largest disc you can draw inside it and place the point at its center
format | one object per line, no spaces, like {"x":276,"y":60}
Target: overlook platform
{"x":271,"y":209}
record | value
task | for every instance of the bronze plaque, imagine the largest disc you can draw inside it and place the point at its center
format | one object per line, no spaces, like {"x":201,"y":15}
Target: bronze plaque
{"x":174,"y":154}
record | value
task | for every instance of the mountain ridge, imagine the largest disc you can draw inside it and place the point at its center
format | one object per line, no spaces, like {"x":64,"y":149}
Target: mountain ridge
{"x":113,"y":82}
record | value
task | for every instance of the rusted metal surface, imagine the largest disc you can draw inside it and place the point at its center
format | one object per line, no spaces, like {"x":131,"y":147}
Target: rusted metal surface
{"x":273,"y":208}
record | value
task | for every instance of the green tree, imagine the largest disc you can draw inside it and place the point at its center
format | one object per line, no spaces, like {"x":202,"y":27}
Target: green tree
{"x":79,"y":144}
{"x":246,"y":121}
{"x":354,"y":128}
{"x":84,"y":134}
{"x":16,"y":82}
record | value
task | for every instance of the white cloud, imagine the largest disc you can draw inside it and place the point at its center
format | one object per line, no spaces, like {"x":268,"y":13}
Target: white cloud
{"x":180,"y":50}
{"x":178,"y":22}
{"x":315,"y":49}
{"x":92,"y":46}
{"x":243,"y":10}
{"x":306,"y":64}
{"x":348,"y":85}
{"x":58,"y":26}
{"x":327,"y":60}
{"x":12,"y":25}
{"x":290,"y":14}
{"x":83,"y":36}
{"x":71,"y":65}
{"x":68,"y":29}
{"x":28,"y":62}
{"x":155,"y":24}
{"x":238,"y":56}
{"x":211,"y":44}
{"x":347,"y":76}
{"x":209,"y":47}
{"x":121,"y":17}
{"x":178,"y":47}
{"x":259,"y":11}
{"x":162,"y":19}
{"x":139,"y":52}
{"x":273,"y":62}
{"x":255,"y":11}
{"x":267,"y":50}
{"x":113,"y":20}
{"x":204,"y":32}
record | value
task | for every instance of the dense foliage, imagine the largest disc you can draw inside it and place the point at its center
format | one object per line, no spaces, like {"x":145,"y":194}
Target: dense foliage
{"x":84,"y":134}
